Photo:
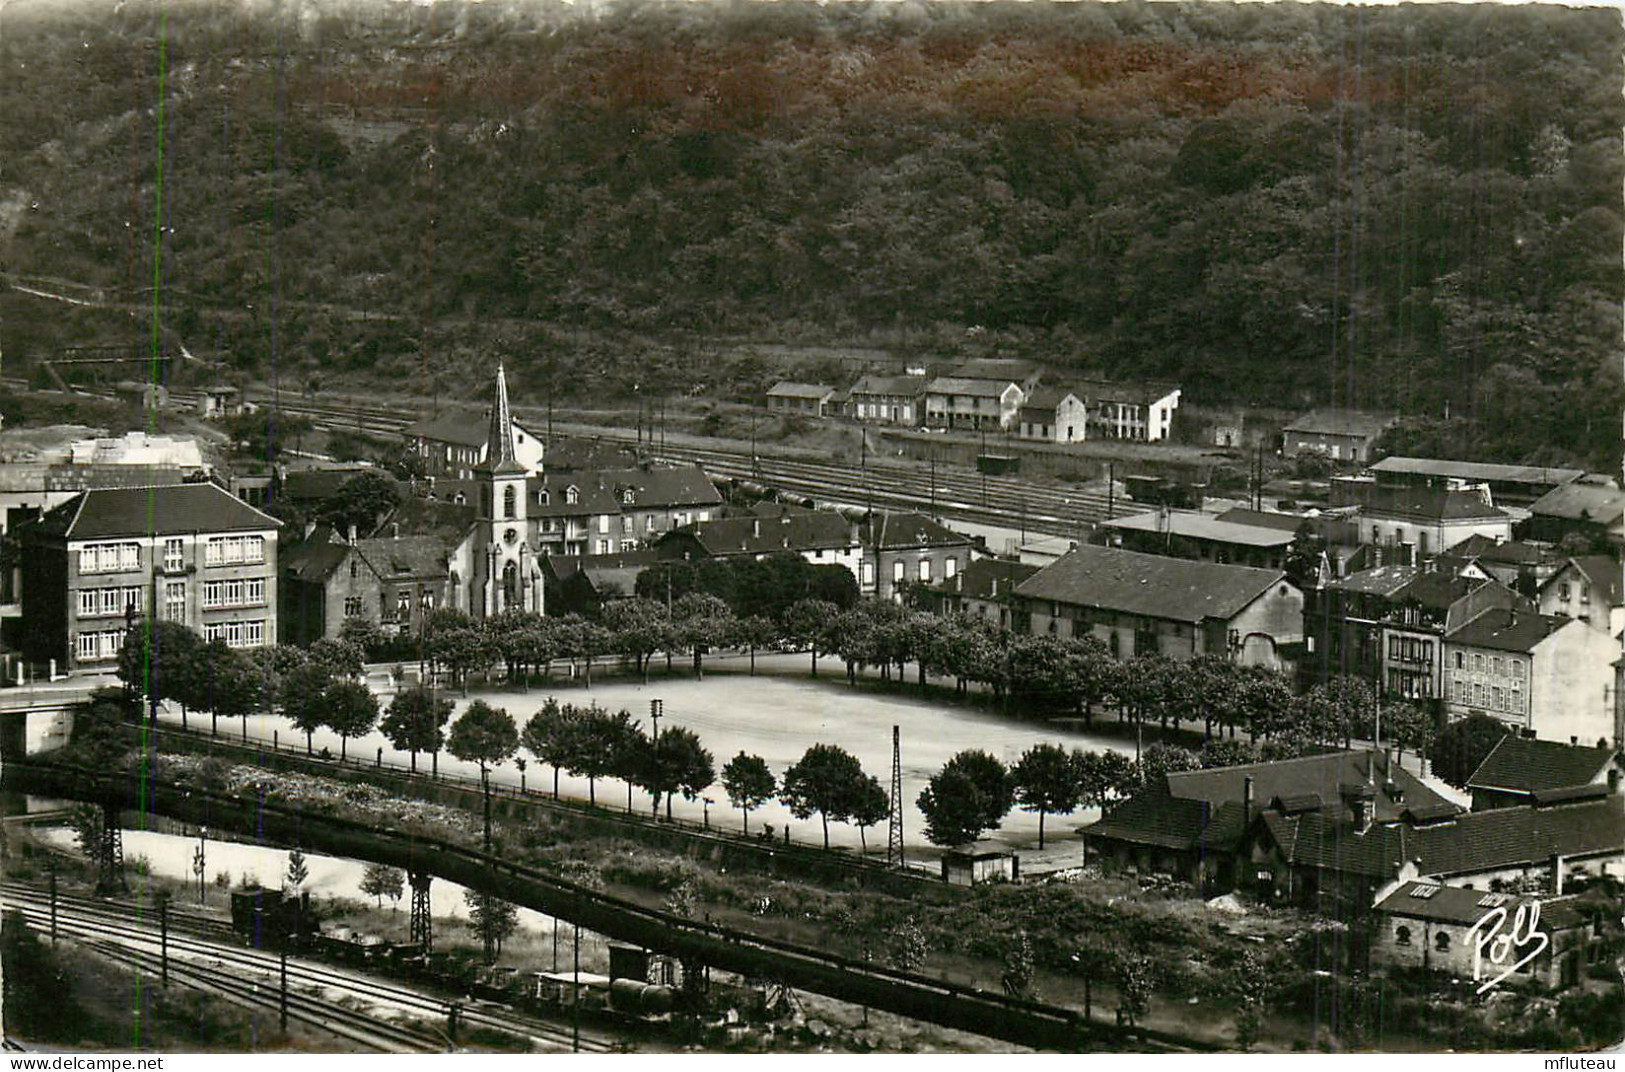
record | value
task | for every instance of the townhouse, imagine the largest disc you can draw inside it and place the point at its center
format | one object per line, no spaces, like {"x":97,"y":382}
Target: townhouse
{"x":888,"y":400}
{"x":1341,"y":435}
{"x":1053,"y":415}
{"x":327,"y":579}
{"x":904,"y":549}
{"x":1588,"y":588}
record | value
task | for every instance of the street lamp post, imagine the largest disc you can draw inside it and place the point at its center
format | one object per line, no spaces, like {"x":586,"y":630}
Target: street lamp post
{"x":200,"y":862}
{"x":708,"y":802}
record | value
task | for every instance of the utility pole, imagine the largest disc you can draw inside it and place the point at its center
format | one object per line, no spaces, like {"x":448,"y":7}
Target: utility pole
{"x":162,"y":897}
{"x":50,"y":869}
{"x":282,"y":1002}
{"x":575,"y":1006}
{"x":894,"y":821}
{"x":657,"y":710}
{"x":1111,"y":490}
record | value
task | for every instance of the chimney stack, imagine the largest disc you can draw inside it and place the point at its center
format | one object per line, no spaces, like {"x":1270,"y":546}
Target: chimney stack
{"x":1557,"y":875}
{"x":1247,"y":799}
{"x":394,"y":530}
{"x":756,"y":526}
{"x":352,"y":532}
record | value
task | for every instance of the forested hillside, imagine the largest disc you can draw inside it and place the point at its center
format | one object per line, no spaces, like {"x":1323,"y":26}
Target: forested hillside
{"x":1410,"y":208}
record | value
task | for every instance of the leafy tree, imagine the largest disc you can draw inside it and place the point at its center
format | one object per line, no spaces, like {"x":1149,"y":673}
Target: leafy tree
{"x":1252,"y":986}
{"x":1046,"y":782}
{"x":871,"y":808}
{"x":483,"y":735}
{"x":381,"y":880}
{"x":1463,"y":745}
{"x":1134,"y":982}
{"x":416,"y":722}
{"x":827,"y":779}
{"x":907,"y":947}
{"x":230,"y":684}
{"x":995,"y":789}
{"x":640,"y":628}
{"x":1161,"y":759}
{"x":549,"y":737}
{"x":365,"y":636}
{"x":952,"y":805}
{"x":341,"y":658}
{"x":351,"y":711}
{"x":98,"y":739}
{"x":1102,"y":775}
{"x":160,"y":660}
{"x":360,"y":501}
{"x":491,"y":920}
{"x":749,"y":784}
{"x":675,"y":762}
{"x":754,"y":633}
{"x":296,"y":873}
{"x":806,"y":623}
{"x":598,"y":746}
{"x":304,"y":695}
{"x":1302,"y":562}
{"x":702,"y":622}
{"x":1218,"y":753}
{"x":1020,"y":965}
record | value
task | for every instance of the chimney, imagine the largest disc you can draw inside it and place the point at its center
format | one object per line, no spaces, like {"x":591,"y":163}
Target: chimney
{"x":756,"y":526}
{"x":1613,"y":780}
{"x":1557,"y":874}
{"x":352,"y":532}
{"x":394,"y":530}
{"x":1247,"y":799}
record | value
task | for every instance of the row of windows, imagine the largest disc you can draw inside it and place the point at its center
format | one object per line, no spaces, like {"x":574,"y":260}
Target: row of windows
{"x":104,"y":645}
{"x":1495,"y":664}
{"x":234,"y":550}
{"x":1563,"y":592}
{"x":1410,"y":649}
{"x":97,"y":602}
{"x":246,"y":592}
{"x":1489,"y":697}
{"x":109,"y":557}
{"x":175,"y":601}
{"x":1441,"y":940}
{"x":249,"y":634}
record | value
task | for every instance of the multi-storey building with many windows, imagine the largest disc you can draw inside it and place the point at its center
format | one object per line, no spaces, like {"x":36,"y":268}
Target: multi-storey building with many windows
{"x":188,"y":553}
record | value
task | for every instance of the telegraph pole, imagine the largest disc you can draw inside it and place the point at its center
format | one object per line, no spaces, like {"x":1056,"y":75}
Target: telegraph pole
{"x":894,"y":821}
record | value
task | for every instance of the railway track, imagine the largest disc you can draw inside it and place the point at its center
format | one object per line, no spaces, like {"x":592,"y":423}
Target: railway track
{"x":110,"y":922}
{"x":993,"y":500}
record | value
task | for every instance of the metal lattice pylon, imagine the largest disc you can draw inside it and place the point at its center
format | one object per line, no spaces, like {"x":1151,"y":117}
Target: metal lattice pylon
{"x":894,"y":821}
{"x":110,"y":852}
{"x":422,"y":932}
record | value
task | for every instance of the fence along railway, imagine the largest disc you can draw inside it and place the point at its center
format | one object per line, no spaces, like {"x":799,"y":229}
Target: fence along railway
{"x":919,"y":997}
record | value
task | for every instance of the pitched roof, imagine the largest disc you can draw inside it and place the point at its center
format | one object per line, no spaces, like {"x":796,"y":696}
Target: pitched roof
{"x":955,"y":385}
{"x":1582,"y":502}
{"x":404,"y":556}
{"x":448,"y":522}
{"x":1265,"y":519}
{"x":819,"y":530}
{"x":908,"y":386}
{"x":1134,"y":392}
{"x":1295,"y":780}
{"x":1155,"y":818}
{"x":1447,"y":904}
{"x":1607,"y":577}
{"x":1467,"y":843}
{"x":1012,"y":369}
{"x":1340,"y":422}
{"x":593,"y":495}
{"x":1438,"y":590}
{"x":461,"y":427}
{"x":790,"y":389}
{"x":313,"y":559}
{"x":660,"y":485}
{"x":1427,"y":503}
{"x":1510,"y":552}
{"x":1154,"y":586}
{"x":1482,"y":471}
{"x":909,"y":529}
{"x":1383,"y":581}
{"x":1046,"y":399}
{"x":1526,"y":765}
{"x":308,"y":484}
{"x":153,"y":511}
{"x":1200,"y":526}
{"x":1501,"y":629}
{"x":986,"y":577}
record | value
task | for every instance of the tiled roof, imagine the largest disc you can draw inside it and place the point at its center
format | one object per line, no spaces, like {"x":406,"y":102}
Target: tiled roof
{"x":1428,"y":504}
{"x":1322,"y":776}
{"x":1340,"y":423}
{"x":1524,"y":765}
{"x":789,"y":389}
{"x":404,"y":556}
{"x":1010,"y":369}
{"x":1576,"y":502}
{"x":1480,"y":471}
{"x":754,"y":536}
{"x":1154,"y":818}
{"x":1447,"y":904}
{"x":954,"y":385}
{"x":1469,"y":843}
{"x":465,"y":428}
{"x":448,"y":522}
{"x":890,"y":531}
{"x":1199,"y":526}
{"x":1154,"y":586}
{"x":1045,"y":399}
{"x":978,"y":580}
{"x":1436,"y":590}
{"x":593,"y":495}
{"x":1510,"y":552}
{"x":310,"y":484}
{"x":907,"y":386}
{"x":1379,"y":580}
{"x":661,"y":485}
{"x":152,"y":511}
{"x":1137,"y":393}
{"x":315,"y":558}
{"x":1507,"y":630}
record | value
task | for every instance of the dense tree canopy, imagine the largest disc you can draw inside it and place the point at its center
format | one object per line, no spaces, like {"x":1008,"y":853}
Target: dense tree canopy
{"x":1407,"y":207}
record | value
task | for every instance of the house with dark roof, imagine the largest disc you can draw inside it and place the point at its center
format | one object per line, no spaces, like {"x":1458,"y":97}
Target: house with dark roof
{"x":1193,"y":825}
{"x":327,"y":579}
{"x":1341,"y":435}
{"x":1053,"y":415}
{"x":1140,"y":411}
{"x":1025,"y":374}
{"x":984,"y":590}
{"x":1324,"y":860}
{"x":1207,"y":537}
{"x":819,"y":536}
{"x":582,"y":584}
{"x":1138,"y":604}
{"x":1543,"y":675}
{"x":188,"y":553}
{"x":907,"y":548}
{"x":1439,"y":928}
{"x":1521,"y":565}
{"x":973,"y":405}
{"x":1522,"y":770}
{"x":808,"y":399}
{"x":888,"y":400}
{"x":1594,"y":511}
{"x":1417,"y":523}
{"x":453,"y":444}
{"x":1588,"y":588}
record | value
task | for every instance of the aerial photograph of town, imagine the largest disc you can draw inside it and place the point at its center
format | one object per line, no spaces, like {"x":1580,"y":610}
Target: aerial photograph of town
{"x":644,"y":527}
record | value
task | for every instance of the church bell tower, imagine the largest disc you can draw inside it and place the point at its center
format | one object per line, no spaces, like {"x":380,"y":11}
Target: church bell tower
{"x":510,"y":578}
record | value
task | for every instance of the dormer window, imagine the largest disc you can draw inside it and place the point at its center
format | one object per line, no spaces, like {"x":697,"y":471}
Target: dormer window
{"x":571,"y":495}
{"x":626,"y":496}
{"x":543,"y":498}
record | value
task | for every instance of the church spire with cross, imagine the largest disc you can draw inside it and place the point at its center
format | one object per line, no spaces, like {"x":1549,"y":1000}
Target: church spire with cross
{"x":500,"y":456}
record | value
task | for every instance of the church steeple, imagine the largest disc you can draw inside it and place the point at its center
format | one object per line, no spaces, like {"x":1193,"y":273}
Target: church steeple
{"x":500,"y":457}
